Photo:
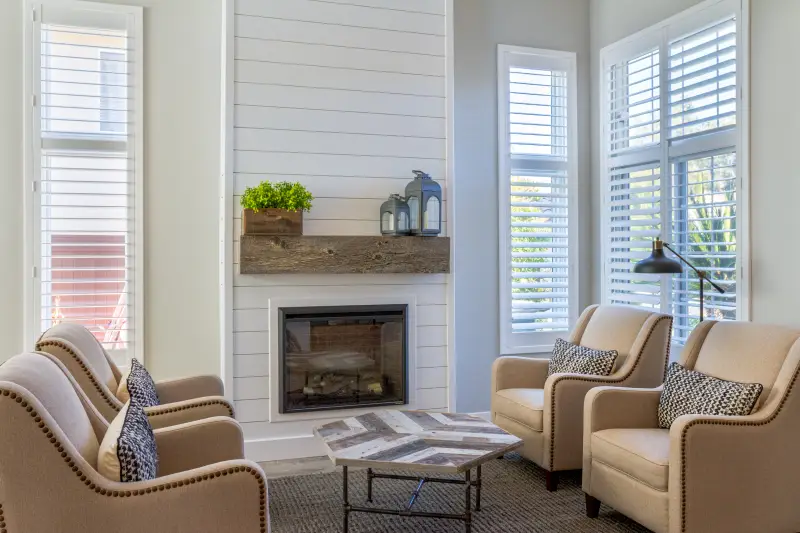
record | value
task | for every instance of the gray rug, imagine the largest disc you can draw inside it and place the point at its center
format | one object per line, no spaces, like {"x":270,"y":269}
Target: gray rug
{"x":514,"y":500}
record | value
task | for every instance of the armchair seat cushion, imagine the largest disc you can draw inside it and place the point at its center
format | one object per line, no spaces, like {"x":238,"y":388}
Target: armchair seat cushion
{"x":642,"y":454}
{"x":521,"y":405}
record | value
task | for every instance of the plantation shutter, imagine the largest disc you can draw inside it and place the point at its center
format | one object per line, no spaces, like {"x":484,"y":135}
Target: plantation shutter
{"x":86,"y":194}
{"x":702,"y":81}
{"x":634,"y":106}
{"x":671,"y":138}
{"x":703,"y":99}
{"x":634,"y":186}
{"x":537,"y":210}
{"x":634,"y":211}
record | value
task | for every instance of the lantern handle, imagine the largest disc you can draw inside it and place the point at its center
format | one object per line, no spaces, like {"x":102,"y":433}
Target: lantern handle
{"x":420,"y":175}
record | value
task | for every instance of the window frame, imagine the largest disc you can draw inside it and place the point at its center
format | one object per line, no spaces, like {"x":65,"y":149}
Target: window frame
{"x":659,"y":37}
{"x":535,"y":342}
{"x":32,"y":153}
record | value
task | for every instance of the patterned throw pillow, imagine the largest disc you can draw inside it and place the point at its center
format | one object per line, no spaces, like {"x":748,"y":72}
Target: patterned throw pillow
{"x":128,"y":452}
{"x":573,"y":359}
{"x":137,"y":386}
{"x":687,"y":392}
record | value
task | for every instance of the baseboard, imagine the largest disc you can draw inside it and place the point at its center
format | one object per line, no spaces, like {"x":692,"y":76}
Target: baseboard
{"x":281,"y":449}
{"x":486,"y":415}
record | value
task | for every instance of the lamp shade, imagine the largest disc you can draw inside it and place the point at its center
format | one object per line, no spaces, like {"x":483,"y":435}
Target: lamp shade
{"x":658,"y":263}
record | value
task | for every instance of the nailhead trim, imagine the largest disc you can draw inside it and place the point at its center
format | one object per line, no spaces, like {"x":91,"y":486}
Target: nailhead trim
{"x":187,"y":407}
{"x":86,"y":370}
{"x":724,"y":423}
{"x":603,"y":381}
{"x":2,"y":520}
{"x":262,"y":487}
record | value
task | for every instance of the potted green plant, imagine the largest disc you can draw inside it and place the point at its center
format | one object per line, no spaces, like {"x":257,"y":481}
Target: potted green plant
{"x":275,"y":208}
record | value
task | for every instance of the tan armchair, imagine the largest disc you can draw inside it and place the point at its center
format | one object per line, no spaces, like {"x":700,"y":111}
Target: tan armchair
{"x":48,"y":457}
{"x":704,"y":473}
{"x":182,"y":400}
{"x":547,"y":412}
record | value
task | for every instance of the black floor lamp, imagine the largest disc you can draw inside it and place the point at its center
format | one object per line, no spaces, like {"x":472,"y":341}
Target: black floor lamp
{"x":658,"y":263}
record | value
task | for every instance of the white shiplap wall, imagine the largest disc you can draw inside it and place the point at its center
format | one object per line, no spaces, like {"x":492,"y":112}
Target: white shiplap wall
{"x":346,"y":97}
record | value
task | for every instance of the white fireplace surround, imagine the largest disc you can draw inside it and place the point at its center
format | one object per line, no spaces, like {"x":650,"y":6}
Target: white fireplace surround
{"x":275,"y":373}
{"x":381,"y":106}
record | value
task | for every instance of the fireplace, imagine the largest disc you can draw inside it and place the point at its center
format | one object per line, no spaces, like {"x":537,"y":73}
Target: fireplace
{"x":341,"y":357}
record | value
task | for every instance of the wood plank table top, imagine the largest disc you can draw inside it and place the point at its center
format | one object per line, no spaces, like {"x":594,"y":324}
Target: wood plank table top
{"x":447,"y":443}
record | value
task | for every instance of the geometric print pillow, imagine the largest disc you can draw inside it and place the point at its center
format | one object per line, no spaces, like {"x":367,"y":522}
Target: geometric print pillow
{"x":687,"y":392}
{"x":574,"y":359}
{"x":128,"y":452}
{"x":138,"y":387}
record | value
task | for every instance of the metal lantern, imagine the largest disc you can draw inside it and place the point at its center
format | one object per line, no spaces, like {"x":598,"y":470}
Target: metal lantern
{"x":424,"y":198}
{"x":395,"y":216}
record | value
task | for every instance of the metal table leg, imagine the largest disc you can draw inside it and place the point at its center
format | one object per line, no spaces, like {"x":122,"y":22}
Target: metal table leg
{"x":369,"y":485}
{"x":346,"y":502}
{"x":478,"y":491}
{"x":468,"y":501}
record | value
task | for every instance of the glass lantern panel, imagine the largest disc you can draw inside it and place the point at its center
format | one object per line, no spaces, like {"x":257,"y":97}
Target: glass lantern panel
{"x":402,"y":221}
{"x":413,"y":204}
{"x":387,"y":221}
{"x":432,"y":213}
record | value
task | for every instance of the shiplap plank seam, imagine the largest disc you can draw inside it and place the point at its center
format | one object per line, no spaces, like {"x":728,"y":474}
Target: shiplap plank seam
{"x":270,"y":40}
{"x":405,"y":2}
{"x":345,"y":15}
{"x":313,"y":33}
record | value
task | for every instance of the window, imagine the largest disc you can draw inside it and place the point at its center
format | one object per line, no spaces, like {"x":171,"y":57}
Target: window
{"x":85,"y":169}
{"x":672,"y":163}
{"x":538,"y":179}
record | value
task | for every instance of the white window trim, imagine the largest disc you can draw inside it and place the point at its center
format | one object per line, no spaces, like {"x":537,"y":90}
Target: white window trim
{"x":659,"y":35}
{"x":513,"y":343}
{"x":32,"y":158}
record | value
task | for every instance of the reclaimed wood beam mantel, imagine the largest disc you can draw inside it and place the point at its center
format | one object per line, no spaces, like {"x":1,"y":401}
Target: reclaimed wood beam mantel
{"x":310,"y":254}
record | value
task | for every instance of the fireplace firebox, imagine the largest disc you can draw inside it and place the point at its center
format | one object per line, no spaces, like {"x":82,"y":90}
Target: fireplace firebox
{"x":340,"y":357}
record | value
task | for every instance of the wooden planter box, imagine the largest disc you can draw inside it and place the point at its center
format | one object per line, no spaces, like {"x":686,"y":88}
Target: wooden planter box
{"x":272,"y":222}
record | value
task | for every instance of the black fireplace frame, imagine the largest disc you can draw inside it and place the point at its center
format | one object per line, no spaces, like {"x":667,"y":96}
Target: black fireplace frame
{"x":343,"y":311}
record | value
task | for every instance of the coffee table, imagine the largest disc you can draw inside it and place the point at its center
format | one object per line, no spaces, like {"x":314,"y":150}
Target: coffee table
{"x":428,"y":443}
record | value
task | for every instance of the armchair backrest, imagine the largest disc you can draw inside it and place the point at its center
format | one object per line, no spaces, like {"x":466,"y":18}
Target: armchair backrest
{"x":629,"y":330}
{"x":740,"y":351}
{"x":83,"y":342}
{"x":35,"y":376}
{"x":86,"y":360}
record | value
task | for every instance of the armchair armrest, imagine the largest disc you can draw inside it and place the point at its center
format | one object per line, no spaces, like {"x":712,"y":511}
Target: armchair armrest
{"x":619,"y":407}
{"x":227,"y":496}
{"x":188,"y":411}
{"x":717,"y":463}
{"x":562,"y":418}
{"x":197,"y":444}
{"x":177,"y":390}
{"x":513,"y":372}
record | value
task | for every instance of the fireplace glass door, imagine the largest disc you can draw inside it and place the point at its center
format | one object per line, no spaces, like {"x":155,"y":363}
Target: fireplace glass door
{"x":343,"y":357}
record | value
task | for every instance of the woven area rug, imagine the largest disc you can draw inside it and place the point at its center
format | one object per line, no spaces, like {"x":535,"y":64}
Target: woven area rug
{"x":514,"y":500}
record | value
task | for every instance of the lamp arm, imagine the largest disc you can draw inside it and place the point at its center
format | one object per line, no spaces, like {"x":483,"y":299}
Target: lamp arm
{"x":702,"y":275}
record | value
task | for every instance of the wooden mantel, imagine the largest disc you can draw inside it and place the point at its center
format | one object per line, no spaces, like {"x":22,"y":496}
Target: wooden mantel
{"x":309,"y":254}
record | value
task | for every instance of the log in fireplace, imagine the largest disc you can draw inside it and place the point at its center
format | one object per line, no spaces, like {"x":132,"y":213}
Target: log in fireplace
{"x":340,"y":357}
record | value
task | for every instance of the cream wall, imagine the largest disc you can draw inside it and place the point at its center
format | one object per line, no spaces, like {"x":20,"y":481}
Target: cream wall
{"x":10,"y":178}
{"x":774,"y":133}
{"x":182,"y":114}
